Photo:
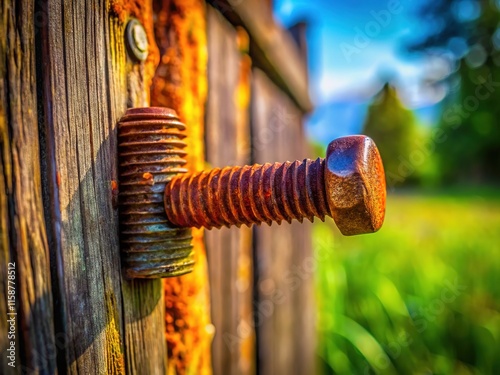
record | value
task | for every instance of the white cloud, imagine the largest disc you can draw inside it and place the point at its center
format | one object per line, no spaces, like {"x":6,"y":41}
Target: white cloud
{"x":335,"y":83}
{"x":338,"y":82}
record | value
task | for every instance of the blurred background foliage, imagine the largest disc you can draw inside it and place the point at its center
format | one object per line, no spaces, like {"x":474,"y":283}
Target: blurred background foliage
{"x":422,"y":296}
{"x":464,"y":146}
{"x":470,"y":34}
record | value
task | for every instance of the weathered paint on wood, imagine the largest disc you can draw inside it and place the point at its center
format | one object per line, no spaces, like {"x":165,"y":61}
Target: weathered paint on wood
{"x":284,"y":306}
{"x":23,"y":238}
{"x":229,"y":250}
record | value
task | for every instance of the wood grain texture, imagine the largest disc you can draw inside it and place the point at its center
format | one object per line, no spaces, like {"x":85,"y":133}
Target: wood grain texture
{"x":284,"y":265}
{"x":23,"y":237}
{"x":229,"y":250}
{"x":111,"y":325}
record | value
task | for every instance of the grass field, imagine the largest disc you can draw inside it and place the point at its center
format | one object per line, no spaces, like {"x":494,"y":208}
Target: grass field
{"x":421,"y":296}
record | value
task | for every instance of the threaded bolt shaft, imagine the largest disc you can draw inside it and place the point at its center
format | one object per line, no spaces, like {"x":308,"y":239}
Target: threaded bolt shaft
{"x":151,"y":152}
{"x":248,"y":195}
{"x":348,"y":185}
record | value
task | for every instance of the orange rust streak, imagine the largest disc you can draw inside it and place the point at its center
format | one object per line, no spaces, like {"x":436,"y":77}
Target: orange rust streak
{"x":181,"y":83}
{"x":245,"y":277}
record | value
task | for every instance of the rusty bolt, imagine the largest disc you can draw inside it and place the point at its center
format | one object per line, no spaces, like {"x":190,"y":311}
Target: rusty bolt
{"x":137,"y":40}
{"x":159,"y":201}
{"x":348,"y":185}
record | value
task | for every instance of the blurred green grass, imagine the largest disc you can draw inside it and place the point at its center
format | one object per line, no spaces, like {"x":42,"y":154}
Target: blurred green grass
{"x":421,"y":296}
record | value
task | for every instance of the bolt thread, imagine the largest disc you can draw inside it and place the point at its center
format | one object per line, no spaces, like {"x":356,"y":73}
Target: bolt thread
{"x":151,"y":152}
{"x":248,"y":195}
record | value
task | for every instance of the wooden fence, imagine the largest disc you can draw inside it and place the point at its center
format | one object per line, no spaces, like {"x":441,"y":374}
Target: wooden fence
{"x":239,"y":82}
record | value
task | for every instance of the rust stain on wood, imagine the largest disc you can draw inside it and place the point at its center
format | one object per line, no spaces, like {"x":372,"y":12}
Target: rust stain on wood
{"x":180,"y":83}
{"x":244,"y":286}
{"x":244,"y":278}
{"x":243,"y":93}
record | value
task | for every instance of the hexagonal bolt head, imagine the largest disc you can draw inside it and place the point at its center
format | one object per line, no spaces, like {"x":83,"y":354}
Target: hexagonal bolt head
{"x":355,"y":184}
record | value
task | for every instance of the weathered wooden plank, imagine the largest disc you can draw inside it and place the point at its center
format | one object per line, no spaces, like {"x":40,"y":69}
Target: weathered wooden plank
{"x":272,"y":48}
{"x":23,"y":239}
{"x":229,"y":250}
{"x":110,"y":323}
{"x":284,"y":305}
{"x":181,"y":83}
{"x":143,"y":300}
{"x":80,"y":150}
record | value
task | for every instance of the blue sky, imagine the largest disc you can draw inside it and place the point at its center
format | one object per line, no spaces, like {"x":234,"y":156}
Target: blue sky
{"x":353,"y":43}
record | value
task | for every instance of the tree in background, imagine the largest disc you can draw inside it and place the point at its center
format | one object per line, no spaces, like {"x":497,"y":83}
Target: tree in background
{"x":394,"y":130}
{"x":467,"y":34}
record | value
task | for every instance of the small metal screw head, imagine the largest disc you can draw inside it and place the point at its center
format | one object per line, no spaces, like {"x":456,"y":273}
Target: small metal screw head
{"x":137,"y":40}
{"x":355,"y":184}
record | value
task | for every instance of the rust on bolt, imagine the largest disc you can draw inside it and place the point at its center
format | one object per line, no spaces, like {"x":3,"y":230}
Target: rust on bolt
{"x":348,"y":185}
{"x":159,"y":202}
{"x":150,"y":152}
